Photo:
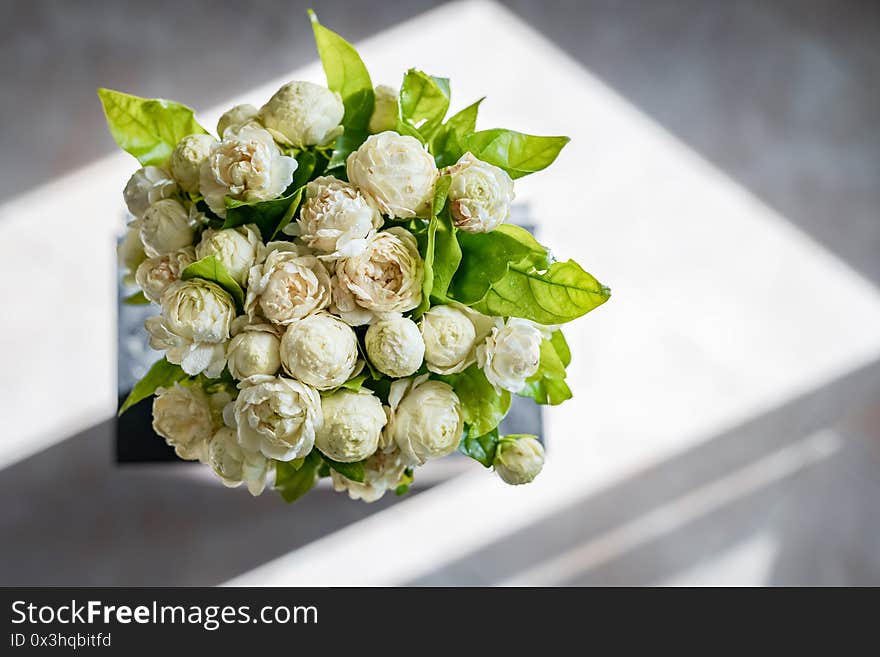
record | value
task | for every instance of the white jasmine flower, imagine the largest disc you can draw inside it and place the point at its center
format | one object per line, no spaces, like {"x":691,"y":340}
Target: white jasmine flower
{"x":275,"y":416}
{"x":289,"y":285}
{"x":234,"y":465}
{"x":236,"y":118}
{"x":395,"y":346}
{"x":147,"y":186}
{"x":303,"y":114}
{"x":186,"y":417}
{"x":319,"y":350}
{"x":237,"y":249}
{"x":166,"y":226}
{"x":353,"y":422}
{"x":396,"y":173}
{"x":194,"y":326}
{"x":519,"y":459}
{"x":425,"y":419}
{"x":385,"y":278}
{"x":187,"y":158}
{"x":385,"y":112}
{"x":154,"y":275}
{"x":335,"y":219}
{"x":253,"y":349}
{"x":511,"y":353}
{"x":246,"y":165}
{"x":480,"y":195}
{"x":382,"y":470}
{"x":451,"y":334}
{"x":131,"y":254}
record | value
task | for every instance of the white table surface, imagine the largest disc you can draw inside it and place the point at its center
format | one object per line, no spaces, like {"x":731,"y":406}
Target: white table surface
{"x":721,"y":309}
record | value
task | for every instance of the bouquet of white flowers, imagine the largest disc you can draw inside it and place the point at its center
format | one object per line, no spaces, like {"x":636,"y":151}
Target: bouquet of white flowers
{"x":339,"y":292}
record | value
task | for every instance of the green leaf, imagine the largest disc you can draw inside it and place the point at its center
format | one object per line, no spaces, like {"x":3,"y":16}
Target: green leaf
{"x":492,"y":254}
{"x":555,"y":296}
{"x":405,"y":482}
{"x":148,"y":128}
{"x":561,"y":346}
{"x":449,"y":143}
{"x":547,"y":385}
{"x":426,"y":247}
{"x":161,"y":375}
{"x":482,"y":407}
{"x":447,"y":257}
{"x":480,"y":447}
{"x":346,"y":75}
{"x":345,"y":144}
{"x":424,"y":100}
{"x":353,"y":471}
{"x":269,"y":216}
{"x":211,"y":269}
{"x":355,"y":383}
{"x":517,"y":153}
{"x":136,"y":299}
{"x":294,"y":481}
{"x":441,"y":191}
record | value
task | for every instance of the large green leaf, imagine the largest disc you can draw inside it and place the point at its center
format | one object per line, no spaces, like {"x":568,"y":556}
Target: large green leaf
{"x":148,"y":128}
{"x":560,"y":294}
{"x":296,"y":478}
{"x":548,"y":386}
{"x":269,"y":216}
{"x":211,"y":269}
{"x":161,"y":375}
{"x":345,"y":144}
{"x":449,"y":143}
{"x":517,"y":153}
{"x":481,"y":448}
{"x":346,"y":75}
{"x":426,"y":247}
{"x":424,"y":100}
{"x":354,"y":471}
{"x":482,"y":406}
{"x":447,"y":257}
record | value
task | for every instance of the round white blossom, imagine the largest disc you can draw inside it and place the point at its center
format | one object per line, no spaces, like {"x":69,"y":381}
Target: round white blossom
{"x":187,"y":158}
{"x":236,"y":118}
{"x":480,"y":195}
{"x":186,"y":417}
{"x":335,"y":219}
{"x":382,"y":470}
{"x":234,"y":465}
{"x":451,"y":334}
{"x":384,"y":116}
{"x":275,"y":416}
{"x":396,"y":173}
{"x":237,"y":249}
{"x":165,"y":227}
{"x":288,"y":285}
{"x":253,"y":349}
{"x":353,"y":423}
{"x":131,"y":254}
{"x":395,"y":346}
{"x":385,"y":278}
{"x":246,"y":165}
{"x":147,"y":186}
{"x":194,"y":326}
{"x":511,"y":353}
{"x":319,"y":350}
{"x":303,"y":114}
{"x":519,"y":459}
{"x":154,"y":275}
{"x":425,"y":419}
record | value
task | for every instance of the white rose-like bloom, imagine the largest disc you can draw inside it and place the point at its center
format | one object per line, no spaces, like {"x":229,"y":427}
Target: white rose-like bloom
{"x":383,"y":470}
{"x":480,"y":195}
{"x":131,"y":254}
{"x":187,"y":158}
{"x":154,"y":275}
{"x":396,"y":173}
{"x":237,"y":249}
{"x":353,"y":423}
{"x":395,"y":346}
{"x":385,"y":278}
{"x":451,"y":335}
{"x":275,"y":416}
{"x":303,"y":114}
{"x":186,"y":417}
{"x":511,"y":353}
{"x":165,"y":227}
{"x":425,"y":419}
{"x":234,"y":465}
{"x":335,"y":219}
{"x":384,"y":116}
{"x":288,"y":285}
{"x":147,"y":186}
{"x":246,"y":165}
{"x":194,"y":326}
{"x":320,"y":350}
{"x":519,"y":459}
{"x":253,"y":349}
{"x":236,"y":117}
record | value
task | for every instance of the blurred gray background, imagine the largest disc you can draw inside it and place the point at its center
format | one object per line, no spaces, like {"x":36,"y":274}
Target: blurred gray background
{"x":783,"y":97}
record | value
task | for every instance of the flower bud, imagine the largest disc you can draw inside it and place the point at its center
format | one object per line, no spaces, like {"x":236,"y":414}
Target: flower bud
{"x":451,"y":334}
{"x":236,"y":118}
{"x":303,"y":114}
{"x":480,"y":195}
{"x":511,"y":353}
{"x":382,"y":470}
{"x":254,"y":349}
{"x":519,"y":459}
{"x":353,"y":422}
{"x":165,"y":227}
{"x":155,"y":275}
{"x":131,"y":254}
{"x":187,"y":158}
{"x":236,"y":466}
{"x":185,"y":418}
{"x":395,"y":346}
{"x":237,"y":249}
{"x":425,"y":419}
{"x":147,"y":186}
{"x":385,"y":111}
{"x":320,"y":350}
